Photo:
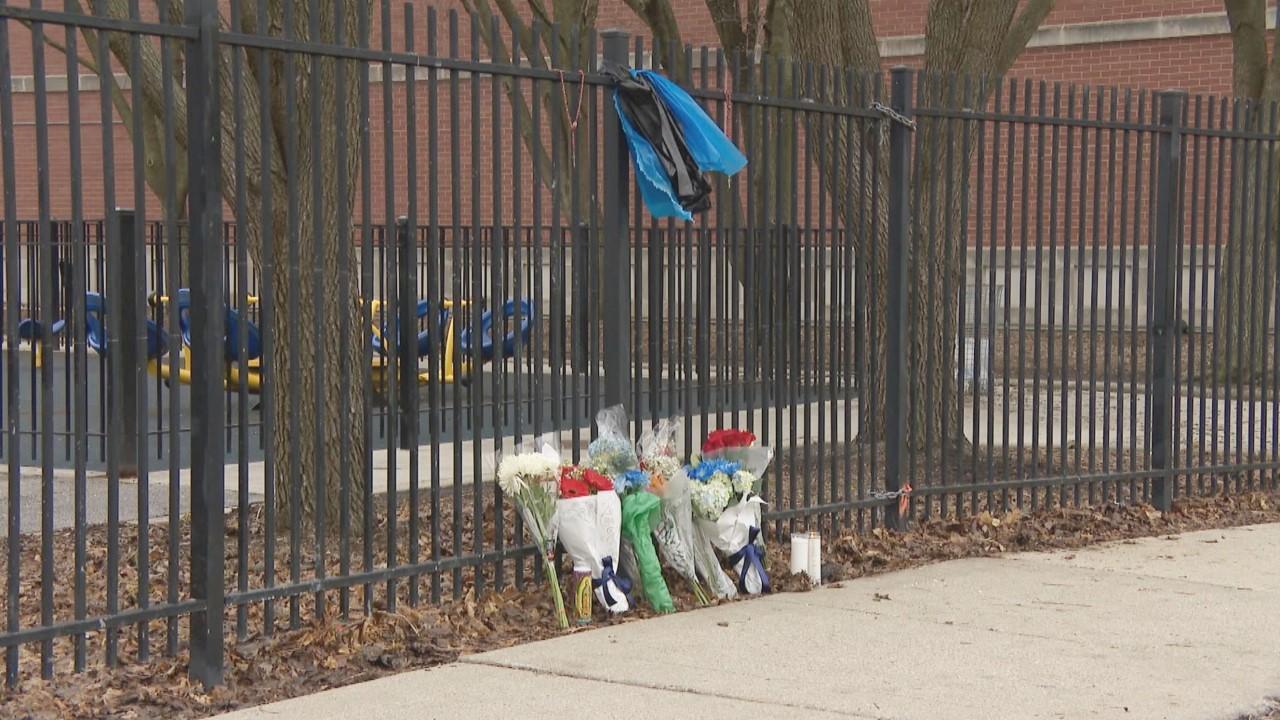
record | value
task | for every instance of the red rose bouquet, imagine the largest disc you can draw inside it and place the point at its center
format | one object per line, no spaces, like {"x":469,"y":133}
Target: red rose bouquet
{"x":726,"y":439}
{"x":588,"y":520}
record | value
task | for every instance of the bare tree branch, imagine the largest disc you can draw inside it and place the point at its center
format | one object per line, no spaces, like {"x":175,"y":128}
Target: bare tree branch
{"x":529,"y":132}
{"x":1248,"y":20}
{"x":557,"y":178}
{"x":479,"y":11}
{"x":728,"y":21}
{"x":660,"y":18}
{"x":576,"y":13}
{"x":48,"y":40}
{"x":540,"y":13}
{"x":754,"y":19}
{"x":1019,"y":34}
{"x":834,"y":33}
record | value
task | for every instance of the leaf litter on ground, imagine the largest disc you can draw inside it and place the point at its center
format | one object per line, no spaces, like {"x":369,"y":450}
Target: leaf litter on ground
{"x":333,"y":651}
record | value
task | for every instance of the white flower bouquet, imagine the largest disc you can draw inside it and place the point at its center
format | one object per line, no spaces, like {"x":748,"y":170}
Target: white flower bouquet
{"x":531,"y":479}
{"x":726,"y":506}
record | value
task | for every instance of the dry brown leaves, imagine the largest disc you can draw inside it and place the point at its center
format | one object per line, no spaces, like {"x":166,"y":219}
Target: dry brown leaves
{"x":332,"y":652}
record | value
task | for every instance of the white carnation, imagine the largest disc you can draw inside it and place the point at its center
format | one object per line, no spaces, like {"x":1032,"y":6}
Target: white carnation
{"x":516,"y":472}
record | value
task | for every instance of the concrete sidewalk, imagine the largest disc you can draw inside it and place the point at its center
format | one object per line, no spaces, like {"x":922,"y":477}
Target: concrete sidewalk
{"x":1182,"y":628}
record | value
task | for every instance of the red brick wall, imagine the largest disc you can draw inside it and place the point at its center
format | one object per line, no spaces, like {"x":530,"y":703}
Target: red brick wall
{"x":1201,"y":65}
{"x":907,"y":17}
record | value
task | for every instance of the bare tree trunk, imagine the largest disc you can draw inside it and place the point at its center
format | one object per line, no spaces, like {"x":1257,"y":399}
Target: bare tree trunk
{"x":339,"y":413}
{"x":855,"y":170}
{"x":934,"y":269}
{"x":966,"y":41}
{"x":319,"y":336}
{"x":1244,"y":290}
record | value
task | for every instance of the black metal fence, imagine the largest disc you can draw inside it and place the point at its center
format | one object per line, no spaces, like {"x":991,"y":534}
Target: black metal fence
{"x":929,"y":294}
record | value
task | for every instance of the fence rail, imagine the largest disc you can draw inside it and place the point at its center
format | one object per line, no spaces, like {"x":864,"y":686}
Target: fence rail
{"x":976,"y":296}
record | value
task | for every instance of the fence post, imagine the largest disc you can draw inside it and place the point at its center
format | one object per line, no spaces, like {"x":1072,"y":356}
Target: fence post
{"x":407,"y":331}
{"x":1164,"y":301}
{"x":125,"y":322}
{"x":580,"y":332}
{"x":615,"y":263}
{"x":207,"y":319}
{"x":895,"y":390}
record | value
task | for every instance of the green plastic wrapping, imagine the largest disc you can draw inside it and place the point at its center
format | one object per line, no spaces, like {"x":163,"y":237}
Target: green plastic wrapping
{"x":640,"y":513}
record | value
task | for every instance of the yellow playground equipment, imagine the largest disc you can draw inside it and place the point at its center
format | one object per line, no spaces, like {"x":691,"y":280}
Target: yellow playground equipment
{"x":460,"y":346}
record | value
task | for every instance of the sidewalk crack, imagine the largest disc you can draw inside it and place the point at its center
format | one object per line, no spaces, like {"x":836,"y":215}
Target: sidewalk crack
{"x":476,"y":660}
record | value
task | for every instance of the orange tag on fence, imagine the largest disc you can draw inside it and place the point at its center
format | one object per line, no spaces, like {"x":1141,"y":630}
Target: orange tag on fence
{"x":904,"y":500}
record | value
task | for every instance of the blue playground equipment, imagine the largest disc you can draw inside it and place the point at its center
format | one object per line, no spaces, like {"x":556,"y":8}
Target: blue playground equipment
{"x":509,"y":310}
{"x":231,"y":340}
{"x":461,"y":350}
{"x":463,"y":346}
{"x":95,"y":310}
{"x":424,"y":337}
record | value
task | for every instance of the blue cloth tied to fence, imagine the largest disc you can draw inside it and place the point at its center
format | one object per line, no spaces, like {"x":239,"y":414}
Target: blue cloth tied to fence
{"x":754,"y":561}
{"x":602,"y":582}
{"x":672,"y":142}
{"x":707,"y":142}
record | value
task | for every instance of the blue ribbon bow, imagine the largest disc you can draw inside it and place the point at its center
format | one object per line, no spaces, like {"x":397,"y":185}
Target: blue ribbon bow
{"x":606,"y":574}
{"x":751,"y":554}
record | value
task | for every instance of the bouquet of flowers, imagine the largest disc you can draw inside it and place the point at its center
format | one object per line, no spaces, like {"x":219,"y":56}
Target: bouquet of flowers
{"x":531,"y":479}
{"x":588,"y":520}
{"x":612,"y":454}
{"x":738,"y":446}
{"x":674,"y":533}
{"x":726,"y":504}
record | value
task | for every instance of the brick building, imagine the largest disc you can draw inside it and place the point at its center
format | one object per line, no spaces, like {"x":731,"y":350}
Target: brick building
{"x":1139,"y":43}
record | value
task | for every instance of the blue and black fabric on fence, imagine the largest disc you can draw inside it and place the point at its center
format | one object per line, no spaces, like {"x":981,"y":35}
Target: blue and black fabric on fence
{"x":672,"y":141}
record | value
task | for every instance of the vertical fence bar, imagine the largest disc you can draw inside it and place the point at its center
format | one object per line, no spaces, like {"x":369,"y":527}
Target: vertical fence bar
{"x":205,"y":201}
{"x":407,"y":339}
{"x":498,"y":293}
{"x":126,"y":315}
{"x":44,"y":299}
{"x":13,"y":578}
{"x":455,"y":328}
{"x":319,"y":68}
{"x":270,"y":271}
{"x":292,"y":458}
{"x":366,"y":306}
{"x":76,"y":319}
{"x":474,"y":269}
{"x":1164,"y":301}
{"x":616,"y":262}
{"x":407,"y":331}
{"x":896,"y":333}
{"x":435,"y":340}
{"x":345,"y":366}
{"x":115,"y":457}
{"x":171,"y":268}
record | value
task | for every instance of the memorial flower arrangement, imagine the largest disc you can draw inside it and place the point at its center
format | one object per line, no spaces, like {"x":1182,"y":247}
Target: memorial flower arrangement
{"x":674,"y":534}
{"x":726,"y":504}
{"x":531,"y":479}
{"x":613,"y":454}
{"x":588,"y":520}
